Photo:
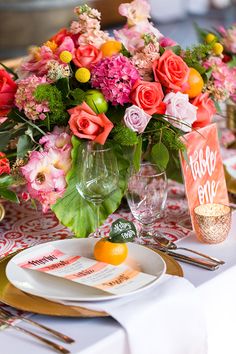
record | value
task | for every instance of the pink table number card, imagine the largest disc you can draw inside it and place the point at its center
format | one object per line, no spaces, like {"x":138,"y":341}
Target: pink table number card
{"x":203,"y":172}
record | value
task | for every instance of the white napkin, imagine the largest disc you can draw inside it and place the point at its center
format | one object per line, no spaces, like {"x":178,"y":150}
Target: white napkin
{"x":165,"y":319}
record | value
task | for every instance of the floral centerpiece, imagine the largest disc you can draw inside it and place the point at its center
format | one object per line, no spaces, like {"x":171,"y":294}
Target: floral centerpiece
{"x":137,"y":90}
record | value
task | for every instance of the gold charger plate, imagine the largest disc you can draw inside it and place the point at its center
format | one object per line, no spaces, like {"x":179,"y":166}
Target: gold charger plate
{"x":14,"y":297}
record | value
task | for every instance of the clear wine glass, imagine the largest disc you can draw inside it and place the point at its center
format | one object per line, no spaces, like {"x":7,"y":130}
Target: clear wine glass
{"x":98,"y":175}
{"x":146,"y":196}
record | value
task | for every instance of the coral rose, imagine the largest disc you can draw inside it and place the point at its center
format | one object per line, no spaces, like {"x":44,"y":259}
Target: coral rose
{"x":86,"y":124}
{"x":148,"y":96}
{"x":171,"y":71}
{"x":4,"y":164}
{"x":8,"y":89}
{"x":86,"y":55}
{"x":205,"y":110}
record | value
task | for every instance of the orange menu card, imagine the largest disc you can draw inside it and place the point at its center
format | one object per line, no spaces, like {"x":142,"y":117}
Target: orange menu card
{"x":203,"y":171}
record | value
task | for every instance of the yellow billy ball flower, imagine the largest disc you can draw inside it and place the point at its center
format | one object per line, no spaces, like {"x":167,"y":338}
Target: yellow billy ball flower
{"x":82,"y":75}
{"x":210,"y":37}
{"x":65,"y":56}
{"x":218,"y":48}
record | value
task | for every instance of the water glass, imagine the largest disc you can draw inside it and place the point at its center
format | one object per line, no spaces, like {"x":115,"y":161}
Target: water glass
{"x":146,"y":196}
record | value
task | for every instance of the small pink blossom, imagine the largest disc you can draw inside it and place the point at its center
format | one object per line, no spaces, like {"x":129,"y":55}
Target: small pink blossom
{"x":167,"y":42}
{"x":136,"y":11}
{"x":179,"y":108}
{"x":115,"y":77}
{"x":229,"y":39}
{"x":25,"y":100}
{"x":136,"y":119}
{"x":93,"y":37}
{"x":58,"y":138}
{"x":143,"y":60}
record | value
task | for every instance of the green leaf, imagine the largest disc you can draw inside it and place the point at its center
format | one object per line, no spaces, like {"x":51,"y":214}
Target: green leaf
{"x":175,"y":49}
{"x":78,"y":97}
{"x":9,"y":195}
{"x":232,"y":62}
{"x":160,"y":155}
{"x":77,"y":213}
{"x":125,"y":52}
{"x":122,"y":231}
{"x":4,"y":139}
{"x":218,"y":108}
{"x":23,"y":146}
{"x":9,"y":70}
{"x":173,"y":170}
{"x":185,"y":156}
{"x":124,"y":136}
{"x":6,"y":181}
{"x":63,"y":86}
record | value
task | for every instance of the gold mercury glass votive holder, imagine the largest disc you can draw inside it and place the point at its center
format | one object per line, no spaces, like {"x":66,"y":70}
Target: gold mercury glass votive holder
{"x":212,"y":222}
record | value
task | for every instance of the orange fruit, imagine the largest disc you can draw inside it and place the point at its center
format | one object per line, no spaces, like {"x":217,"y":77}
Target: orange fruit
{"x":110,"y":48}
{"x":110,"y":252}
{"x":195,"y":82}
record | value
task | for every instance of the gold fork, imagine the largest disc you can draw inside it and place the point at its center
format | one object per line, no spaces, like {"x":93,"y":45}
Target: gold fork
{"x":7,"y":315}
{"x":48,"y":342}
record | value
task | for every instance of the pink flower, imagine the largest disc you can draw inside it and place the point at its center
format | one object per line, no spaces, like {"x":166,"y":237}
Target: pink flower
{"x":25,"y":101}
{"x":171,"y":71}
{"x":93,"y":37}
{"x":45,"y":175}
{"x":136,"y":119}
{"x":179,"y":108}
{"x":229,"y":39}
{"x":115,"y":77}
{"x":144,"y":58}
{"x":136,"y":11}
{"x":148,"y":96}
{"x":167,"y":42}
{"x":87,"y":55}
{"x":58,"y":138}
{"x":205,"y":110}
{"x":67,"y":44}
{"x":37,"y":62}
{"x":86,"y":124}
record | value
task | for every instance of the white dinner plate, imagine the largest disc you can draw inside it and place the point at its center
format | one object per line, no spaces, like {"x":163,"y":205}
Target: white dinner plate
{"x":54,"y":288}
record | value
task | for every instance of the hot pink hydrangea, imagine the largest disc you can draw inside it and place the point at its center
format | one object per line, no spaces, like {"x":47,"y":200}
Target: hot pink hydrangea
{"x":25,"y":101}
{"x":115,"y":77}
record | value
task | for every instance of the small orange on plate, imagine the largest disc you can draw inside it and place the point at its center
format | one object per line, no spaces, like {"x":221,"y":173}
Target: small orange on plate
{"x":110,"y":48}
{"x":195,"y":82}
{"x":110,"y":252}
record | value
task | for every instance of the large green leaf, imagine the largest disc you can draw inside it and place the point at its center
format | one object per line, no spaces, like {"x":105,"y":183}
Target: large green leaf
{"x":77,"y":213}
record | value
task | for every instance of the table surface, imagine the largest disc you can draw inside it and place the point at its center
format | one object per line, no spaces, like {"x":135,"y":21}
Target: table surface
{"x":101,"y":334}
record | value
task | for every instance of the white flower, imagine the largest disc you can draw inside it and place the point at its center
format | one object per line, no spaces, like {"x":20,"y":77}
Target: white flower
{"x":136,"y":119}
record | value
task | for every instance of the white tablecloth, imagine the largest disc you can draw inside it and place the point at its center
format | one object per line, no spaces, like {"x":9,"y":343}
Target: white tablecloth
{"x":105,"y":336}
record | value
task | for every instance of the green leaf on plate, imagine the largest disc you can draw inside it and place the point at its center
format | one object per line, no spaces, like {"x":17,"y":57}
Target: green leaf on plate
{"x":79,"y":214}
{"x":122,"y":231}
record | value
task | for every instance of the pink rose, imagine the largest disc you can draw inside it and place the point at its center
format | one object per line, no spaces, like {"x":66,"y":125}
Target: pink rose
{"x":136,"y":119}
{"x":87,"y":55}
{"x":147,"y":95}
{"x":171,"y":71}
{"x":181,"y":110}
{"x":8,"y":89}
{"x":205,"y":110}
{"x":86,"y":124}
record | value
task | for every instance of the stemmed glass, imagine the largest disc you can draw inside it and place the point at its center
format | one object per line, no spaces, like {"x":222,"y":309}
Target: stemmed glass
{"x":146,"y":196}
{"x":98,"y":175}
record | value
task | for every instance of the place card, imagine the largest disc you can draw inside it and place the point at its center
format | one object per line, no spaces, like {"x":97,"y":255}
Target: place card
{"x":112,"y":279}
{"x":203,"y":169}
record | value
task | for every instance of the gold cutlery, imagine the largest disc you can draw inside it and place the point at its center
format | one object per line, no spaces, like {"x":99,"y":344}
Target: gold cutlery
{"x":48,"y":342}
{"x":164,"y":242}
{"x":8,"y":315}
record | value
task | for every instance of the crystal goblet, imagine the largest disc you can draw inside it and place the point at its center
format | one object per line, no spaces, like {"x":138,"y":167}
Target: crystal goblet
{"x":146,"y":196}
{"x":98,"y":175}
